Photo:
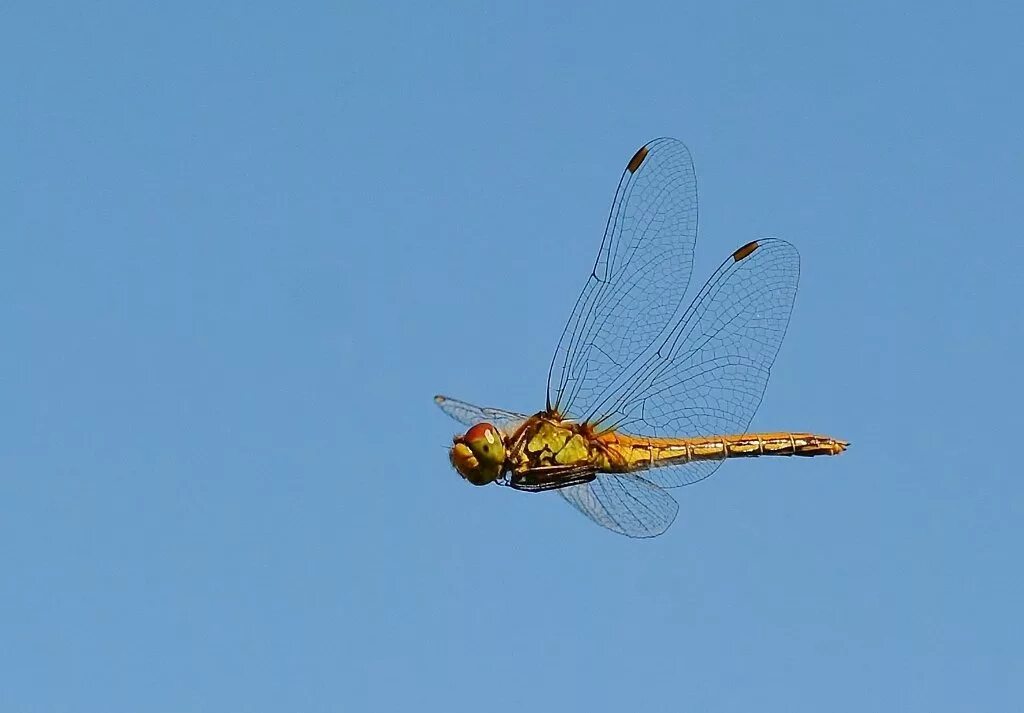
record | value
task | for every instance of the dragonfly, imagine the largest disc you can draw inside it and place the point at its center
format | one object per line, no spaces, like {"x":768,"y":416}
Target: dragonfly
{"x":645,"y":392}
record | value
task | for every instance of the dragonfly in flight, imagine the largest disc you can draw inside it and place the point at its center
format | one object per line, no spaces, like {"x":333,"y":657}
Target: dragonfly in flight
{"x":645,"y":393}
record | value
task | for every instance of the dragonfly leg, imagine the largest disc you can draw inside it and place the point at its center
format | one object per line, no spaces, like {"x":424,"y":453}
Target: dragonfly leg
{"x":552,"y":477}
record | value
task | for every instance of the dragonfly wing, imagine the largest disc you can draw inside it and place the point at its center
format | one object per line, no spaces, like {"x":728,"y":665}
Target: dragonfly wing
{"x":625,"y":503}
{"x":470,"y":415}
{"x":709,"y":373}
{"x":639,"y":279}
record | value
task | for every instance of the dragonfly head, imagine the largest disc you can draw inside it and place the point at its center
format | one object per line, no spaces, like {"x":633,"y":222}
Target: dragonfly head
{"x":478,"y":456}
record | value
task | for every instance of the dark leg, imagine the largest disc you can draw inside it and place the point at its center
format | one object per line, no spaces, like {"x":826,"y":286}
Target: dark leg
{"x":552,"y":477}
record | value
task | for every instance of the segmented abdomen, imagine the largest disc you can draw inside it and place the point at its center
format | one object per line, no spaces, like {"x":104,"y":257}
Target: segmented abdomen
{"x":626,"y":453}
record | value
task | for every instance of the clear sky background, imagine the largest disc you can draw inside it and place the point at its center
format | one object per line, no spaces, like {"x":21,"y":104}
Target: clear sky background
{"x":242,"y":245}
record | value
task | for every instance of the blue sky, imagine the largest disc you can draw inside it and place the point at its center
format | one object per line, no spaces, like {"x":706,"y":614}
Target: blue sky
{"x":244,"y":245}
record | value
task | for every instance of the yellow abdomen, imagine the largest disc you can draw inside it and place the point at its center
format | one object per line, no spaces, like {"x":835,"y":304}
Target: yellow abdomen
{"x":625,"y":453}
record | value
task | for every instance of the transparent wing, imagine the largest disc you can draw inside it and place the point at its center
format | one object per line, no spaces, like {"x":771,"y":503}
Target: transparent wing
{"x":638,"y":282}
{"x":708,"y":374}
{"x":470,"y":415}
{"x":625,"y":503}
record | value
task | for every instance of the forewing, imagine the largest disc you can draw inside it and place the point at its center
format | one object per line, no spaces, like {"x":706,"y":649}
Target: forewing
{"x":709,"y":373}
{"x":637,"y":285}
{"x":625,"y":503}
{"x":470,"y":415}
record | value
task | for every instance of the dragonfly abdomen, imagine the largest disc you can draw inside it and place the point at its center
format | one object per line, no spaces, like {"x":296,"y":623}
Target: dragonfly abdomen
{"x":644,"y":453}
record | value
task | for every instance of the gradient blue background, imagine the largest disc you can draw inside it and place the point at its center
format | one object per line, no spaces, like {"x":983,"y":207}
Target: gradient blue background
{"x":244,"y":245}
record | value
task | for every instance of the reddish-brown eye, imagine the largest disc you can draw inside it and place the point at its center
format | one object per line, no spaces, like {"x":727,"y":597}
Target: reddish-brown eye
{"x":480,"y":432}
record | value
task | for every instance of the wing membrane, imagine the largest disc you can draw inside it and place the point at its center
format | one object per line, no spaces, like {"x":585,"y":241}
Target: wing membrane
{"x":470,"y":415}
{"x":639,"y":279}
{"x":625,"y":503}
{"x":708,"y":375}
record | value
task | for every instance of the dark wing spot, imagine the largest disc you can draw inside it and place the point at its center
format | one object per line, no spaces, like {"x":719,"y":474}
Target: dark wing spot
{"x":638,"y":158}
{"x":745,"y":251}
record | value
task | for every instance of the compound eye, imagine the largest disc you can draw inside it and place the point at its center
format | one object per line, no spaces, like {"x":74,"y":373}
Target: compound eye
{"x":486,"y":443}
{"x":482,"y":432}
